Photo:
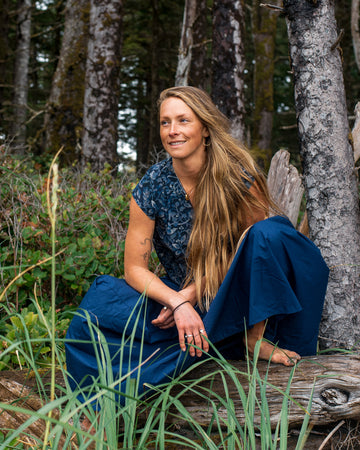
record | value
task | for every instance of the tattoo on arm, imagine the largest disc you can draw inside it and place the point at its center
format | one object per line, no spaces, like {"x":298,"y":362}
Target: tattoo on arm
{"x":146,"y":255}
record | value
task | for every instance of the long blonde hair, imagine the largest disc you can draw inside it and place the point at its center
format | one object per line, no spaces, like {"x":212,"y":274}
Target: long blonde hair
{"x":222,"y":200}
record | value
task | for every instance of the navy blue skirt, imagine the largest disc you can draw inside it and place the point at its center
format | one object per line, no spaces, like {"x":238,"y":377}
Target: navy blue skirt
{"x":277,"y":275}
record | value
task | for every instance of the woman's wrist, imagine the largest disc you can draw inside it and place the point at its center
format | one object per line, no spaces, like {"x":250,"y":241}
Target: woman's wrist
{"x":178,"y":300}
{"x":179,"y":305}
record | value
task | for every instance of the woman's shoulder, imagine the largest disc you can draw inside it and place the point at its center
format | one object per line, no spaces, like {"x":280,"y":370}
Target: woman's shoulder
{"x":156,"y":179}
{"x":160,"y":169}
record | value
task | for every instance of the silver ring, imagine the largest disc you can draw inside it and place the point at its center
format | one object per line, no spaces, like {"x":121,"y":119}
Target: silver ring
{"x":201,"y":331}
{"x":188,"y":335}
{"x":165,"y":307}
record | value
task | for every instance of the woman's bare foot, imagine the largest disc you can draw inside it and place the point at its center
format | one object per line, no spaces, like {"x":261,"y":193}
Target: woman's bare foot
{"x":87,"y":425}
{"x":267,"y":350}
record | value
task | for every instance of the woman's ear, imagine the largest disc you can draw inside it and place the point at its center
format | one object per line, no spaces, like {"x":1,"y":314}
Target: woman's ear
{"x":205,"y":132}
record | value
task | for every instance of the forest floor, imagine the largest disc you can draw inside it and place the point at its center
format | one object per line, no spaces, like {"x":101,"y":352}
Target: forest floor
{"x":341,"y":435}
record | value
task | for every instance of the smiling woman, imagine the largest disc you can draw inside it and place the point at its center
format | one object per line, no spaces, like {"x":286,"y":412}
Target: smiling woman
{"x":233,"y":275}
{"x":182,"y":134}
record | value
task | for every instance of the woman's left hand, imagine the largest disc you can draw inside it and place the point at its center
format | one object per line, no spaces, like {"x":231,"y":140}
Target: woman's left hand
{"x":165,"y":319}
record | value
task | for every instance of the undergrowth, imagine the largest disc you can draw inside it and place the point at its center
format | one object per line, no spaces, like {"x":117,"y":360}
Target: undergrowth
{"x":67,"y":228}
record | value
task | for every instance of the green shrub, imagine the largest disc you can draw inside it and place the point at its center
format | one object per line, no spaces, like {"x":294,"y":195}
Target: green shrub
{"x":91,"y":225}
{"x":25,"y":338}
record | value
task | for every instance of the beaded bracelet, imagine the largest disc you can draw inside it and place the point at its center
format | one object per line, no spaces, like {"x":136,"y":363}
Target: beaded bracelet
{"x":180,"y":304}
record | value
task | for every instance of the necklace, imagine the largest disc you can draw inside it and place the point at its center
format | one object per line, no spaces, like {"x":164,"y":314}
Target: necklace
{"x":187,"y":194}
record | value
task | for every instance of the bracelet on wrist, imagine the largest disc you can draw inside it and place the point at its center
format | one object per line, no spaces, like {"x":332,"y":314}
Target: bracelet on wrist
{"x":180,"y":304}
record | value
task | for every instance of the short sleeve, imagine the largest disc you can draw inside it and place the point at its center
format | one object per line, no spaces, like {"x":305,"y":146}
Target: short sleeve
{"x":143,"y":195}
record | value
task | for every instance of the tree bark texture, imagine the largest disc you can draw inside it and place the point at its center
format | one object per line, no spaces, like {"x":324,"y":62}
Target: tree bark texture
{"x":355,"y":4}
{"x":99,"y":145}
{"x":21,"y":76}
{"x":4,"y":56}
{"x":328,"y":162}
{"x":228,"y":63}
{"x":334,"y":380}
{"x":14,"y":392}
{"x":191,"y":68}
{"x":264,"y":32}
{"x":285,"y":185}
{"x":64,"y":116}
{"x":355,"y":133}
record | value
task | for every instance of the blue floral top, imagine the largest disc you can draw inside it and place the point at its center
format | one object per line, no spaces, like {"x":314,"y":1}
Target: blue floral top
{"x":162,"y":198}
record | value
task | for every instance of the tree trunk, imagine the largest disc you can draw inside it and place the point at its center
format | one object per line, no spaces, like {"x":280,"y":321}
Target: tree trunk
{"x":264,"y":31}
{"x":355,"y":30}
{"x":4,"y":62}
{"x":100,"y":136}
{"x":330,"y":181}
{"x":63,"y":119}
{"x":228,"y":62}
{"x":21,"y":76}
{"x":191,"y":69}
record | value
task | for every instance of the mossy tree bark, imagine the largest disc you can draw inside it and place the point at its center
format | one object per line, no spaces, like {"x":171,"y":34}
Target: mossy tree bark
{"x":64,"y":114}
{"x":99,"y":145}
{"x":228,"y":62}
{"x":264,"y":32}
{"x":330,"y":180}
{"x":191,"y":69}
{"x":4,"y":61}
{"x":21,"y":88}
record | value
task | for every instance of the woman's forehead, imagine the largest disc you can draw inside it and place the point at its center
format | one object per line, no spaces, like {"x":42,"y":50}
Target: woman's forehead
{"x":174,"y":106}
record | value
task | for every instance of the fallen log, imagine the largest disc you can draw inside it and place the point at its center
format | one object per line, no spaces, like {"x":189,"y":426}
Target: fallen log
{"x":333,"y":379}
{"x":13,"y":391}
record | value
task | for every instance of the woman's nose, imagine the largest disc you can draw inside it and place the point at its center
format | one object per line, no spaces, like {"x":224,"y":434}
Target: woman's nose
{"x":173,"y":128}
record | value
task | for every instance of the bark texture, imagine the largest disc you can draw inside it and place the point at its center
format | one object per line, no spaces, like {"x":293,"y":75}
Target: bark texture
{"x":328,"y":162}
{"x":355,"y":4}
{"x":21,"y":76}
{"x":333,"y":380}
{"x":191,"y":68}
{"x":228,"y":63}
{"x":264,"y":32}
{"x":99,"y":144}
{"x":4,"y":55}
{"x":285,"y":185}
{"x":63,"y":119}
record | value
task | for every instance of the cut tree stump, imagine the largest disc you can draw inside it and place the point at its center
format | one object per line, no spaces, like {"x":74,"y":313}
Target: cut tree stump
{"x":334,"y":379}
{"x":285,"y":185}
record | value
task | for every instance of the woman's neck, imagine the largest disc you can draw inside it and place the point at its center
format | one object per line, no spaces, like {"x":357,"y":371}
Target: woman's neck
{"x":188,"y":170}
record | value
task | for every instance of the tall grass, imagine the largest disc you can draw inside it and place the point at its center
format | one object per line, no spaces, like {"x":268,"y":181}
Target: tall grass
{"x":139,"y":422}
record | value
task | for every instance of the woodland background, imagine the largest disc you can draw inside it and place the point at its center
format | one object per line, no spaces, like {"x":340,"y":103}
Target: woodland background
{"x":43,"y":84}
{"x":84,"y":76}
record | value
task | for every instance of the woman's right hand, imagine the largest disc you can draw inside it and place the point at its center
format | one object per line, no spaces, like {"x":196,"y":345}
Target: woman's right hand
{"x":190,"y":328}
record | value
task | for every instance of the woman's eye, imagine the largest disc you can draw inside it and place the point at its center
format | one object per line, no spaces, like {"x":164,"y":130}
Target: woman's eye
{"x":164,"y":122}
{"x":184,"y":120}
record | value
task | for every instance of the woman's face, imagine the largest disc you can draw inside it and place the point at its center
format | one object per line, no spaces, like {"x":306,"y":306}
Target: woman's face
{"x":182,"y":134}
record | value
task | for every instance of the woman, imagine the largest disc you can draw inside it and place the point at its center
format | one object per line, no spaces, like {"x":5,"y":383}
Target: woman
{"x":196,"y":208}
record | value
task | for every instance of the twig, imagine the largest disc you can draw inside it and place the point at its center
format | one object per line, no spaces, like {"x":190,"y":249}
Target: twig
{"x":27,"y":270}
{"x":339,"y":38}
{"x":274,"y":7}
{"x":328,"y":437}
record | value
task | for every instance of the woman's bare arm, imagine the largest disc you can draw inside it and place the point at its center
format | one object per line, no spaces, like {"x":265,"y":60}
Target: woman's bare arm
{"x":138,"y":247}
